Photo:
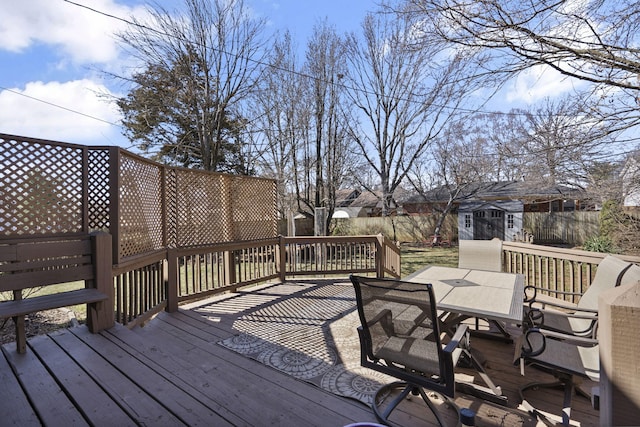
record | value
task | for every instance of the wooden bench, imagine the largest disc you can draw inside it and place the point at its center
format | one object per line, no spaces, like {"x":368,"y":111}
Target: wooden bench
{"x":34,"y":263}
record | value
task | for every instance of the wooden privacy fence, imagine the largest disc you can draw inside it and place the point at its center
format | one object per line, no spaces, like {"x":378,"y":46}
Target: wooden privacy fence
{"x":571,"y":228}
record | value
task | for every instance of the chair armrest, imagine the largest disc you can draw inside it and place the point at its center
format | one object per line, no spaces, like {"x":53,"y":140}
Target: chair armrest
{"x":535,"y":294}
{"x":535,"y":318}
{"x":582,"y":313}
{"x":535,"y":341}
{"x":576,"y":313}
{"x":580,"y":341}
{"x":459,"y":339}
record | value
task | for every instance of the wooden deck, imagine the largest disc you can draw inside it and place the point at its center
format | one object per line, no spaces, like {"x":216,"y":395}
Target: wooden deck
{"x":172,"y":372}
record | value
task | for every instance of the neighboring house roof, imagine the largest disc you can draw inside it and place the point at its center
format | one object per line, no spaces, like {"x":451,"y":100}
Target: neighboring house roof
{"x":345,"y":197}
{"x":503,"y":205}
{"x":373,"y":199}
{"x":367,"y":199}
{"x":515,"y":190}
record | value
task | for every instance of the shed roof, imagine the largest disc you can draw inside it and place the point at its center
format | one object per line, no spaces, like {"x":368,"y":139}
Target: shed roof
{"x":503,"y":205}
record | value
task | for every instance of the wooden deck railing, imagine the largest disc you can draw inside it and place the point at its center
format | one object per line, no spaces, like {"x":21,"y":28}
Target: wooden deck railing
{"x":555,"y":269}
{"x":146,"y":284}
{"x":199,"y":272}
{"x":339,"y":255}
{"x":161,"y":280}
{"x":140,"y":287}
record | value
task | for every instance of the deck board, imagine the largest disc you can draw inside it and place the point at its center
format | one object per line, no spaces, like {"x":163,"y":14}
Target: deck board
{"x":294,"y":394}
{"x":90,"y":399}
{"x":163,"y":390}
{"x":15,"y":409}
{"x":173,"y":372}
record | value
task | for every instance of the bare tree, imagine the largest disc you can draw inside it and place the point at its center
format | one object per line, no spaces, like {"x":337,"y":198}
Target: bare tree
{"x":461,"y":160}
{"x":593,"y":41}
{"x":282,"y":119}
{"x":560,"y":141}
{"x":403,"y":95}
{"x":198,"y":68}
{"x":327,"y":154}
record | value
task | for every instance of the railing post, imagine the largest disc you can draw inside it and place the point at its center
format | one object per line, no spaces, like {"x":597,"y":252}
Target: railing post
{"x":21,"y":339}
{"x":100,"y":315}
{"x":380,"y":256}
{"x":229,"y":267}
{"x":114,"y":201}
{"x":282,"y":258}
{"x":172,"y":280}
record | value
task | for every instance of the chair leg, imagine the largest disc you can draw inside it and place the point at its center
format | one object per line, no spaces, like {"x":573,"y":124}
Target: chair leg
{"x":568,"y":386}
{"x":566,"y":403}
{"x":434,"y":409}
{"x":382,"y":394}
{"x":382,"y":414}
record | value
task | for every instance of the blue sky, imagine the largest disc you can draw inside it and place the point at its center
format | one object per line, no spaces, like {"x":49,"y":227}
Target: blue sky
{"x":52,"y":53}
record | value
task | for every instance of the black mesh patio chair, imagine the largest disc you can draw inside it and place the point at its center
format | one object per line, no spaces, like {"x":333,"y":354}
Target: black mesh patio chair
{"x":400,"y":336}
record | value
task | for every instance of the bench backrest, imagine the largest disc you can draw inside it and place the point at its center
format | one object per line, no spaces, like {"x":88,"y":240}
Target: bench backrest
{"x":30,"y":264}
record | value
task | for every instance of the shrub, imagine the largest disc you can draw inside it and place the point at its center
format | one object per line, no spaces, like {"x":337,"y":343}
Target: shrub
{"x":599,"y":244}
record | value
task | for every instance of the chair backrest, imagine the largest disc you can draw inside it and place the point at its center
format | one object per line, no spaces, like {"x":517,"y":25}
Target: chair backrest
{"x":480,"y":254}
{"x":399,"y":332}
{"x":609,"y":274}
{"x":631,"y":276}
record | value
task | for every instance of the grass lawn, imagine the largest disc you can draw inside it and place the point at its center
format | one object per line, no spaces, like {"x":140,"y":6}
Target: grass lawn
{"x":413,"y":258}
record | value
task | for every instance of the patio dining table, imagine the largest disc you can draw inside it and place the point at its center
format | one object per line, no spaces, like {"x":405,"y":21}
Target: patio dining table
{"x":463,"y":293}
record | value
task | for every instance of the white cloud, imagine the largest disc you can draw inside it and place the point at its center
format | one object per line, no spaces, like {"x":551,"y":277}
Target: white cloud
{"x":28,"y":112}
{"x":539,"y":82}
{"x":81,"y":35}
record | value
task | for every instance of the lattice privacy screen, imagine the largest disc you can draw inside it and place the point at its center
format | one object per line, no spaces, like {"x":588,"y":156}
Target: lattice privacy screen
{"x":254,"y":212}
{"x":212,"y":207}
{"x":41,"y":187}
{"x":99,"y":188}
{"x":52,"y":188}
{"x":140,"y":206}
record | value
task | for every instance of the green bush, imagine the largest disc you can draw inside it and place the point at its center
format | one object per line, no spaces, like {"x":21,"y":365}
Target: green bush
{"x":599,"y":244}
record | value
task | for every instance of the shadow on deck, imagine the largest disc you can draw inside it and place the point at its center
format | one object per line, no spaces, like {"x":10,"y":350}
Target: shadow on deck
{"x":172,"y":372}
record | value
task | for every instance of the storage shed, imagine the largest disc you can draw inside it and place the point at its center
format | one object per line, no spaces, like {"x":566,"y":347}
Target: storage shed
{"x":484,"y":220}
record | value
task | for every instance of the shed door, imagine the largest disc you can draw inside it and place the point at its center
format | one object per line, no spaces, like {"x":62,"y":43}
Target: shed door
{"x":488,"y":224}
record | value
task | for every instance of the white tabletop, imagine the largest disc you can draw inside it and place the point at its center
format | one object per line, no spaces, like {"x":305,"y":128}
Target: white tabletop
{"x":485,"y":294}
